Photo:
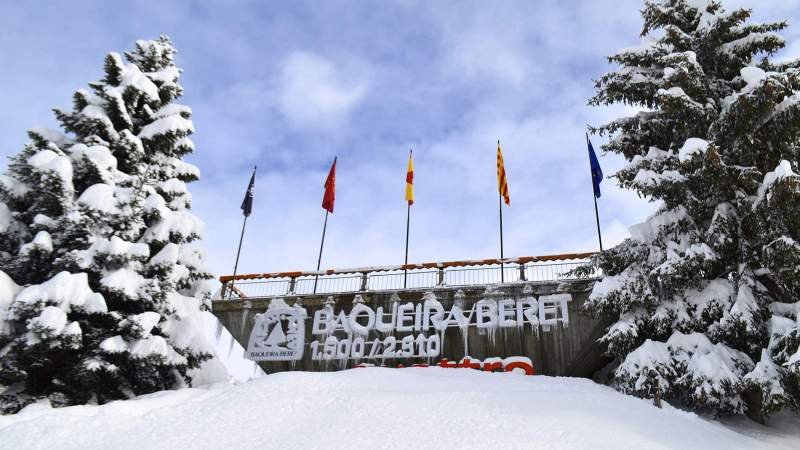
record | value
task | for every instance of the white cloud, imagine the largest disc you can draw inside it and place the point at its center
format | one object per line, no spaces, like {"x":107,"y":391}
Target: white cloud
{"x":482,"y":53}
{"x":314,"y":93}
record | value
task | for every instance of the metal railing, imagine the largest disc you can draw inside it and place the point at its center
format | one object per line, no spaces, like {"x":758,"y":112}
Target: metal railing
{"x":417,"y":276}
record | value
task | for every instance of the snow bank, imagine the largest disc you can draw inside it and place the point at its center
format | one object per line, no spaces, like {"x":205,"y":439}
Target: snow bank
{"x":385,"y":408}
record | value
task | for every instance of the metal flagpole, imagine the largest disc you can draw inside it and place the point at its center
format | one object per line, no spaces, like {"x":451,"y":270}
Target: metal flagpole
{"x":597,"y":218}
{"x":319,"y":260}
{"x":408,"y":221}
{"x":502,"y":279}
{"x":594,"y":197}
{"x":239,"y":251}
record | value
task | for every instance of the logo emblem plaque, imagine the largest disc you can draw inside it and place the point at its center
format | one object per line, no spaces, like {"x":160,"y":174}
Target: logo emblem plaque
{"x":278,"y":334}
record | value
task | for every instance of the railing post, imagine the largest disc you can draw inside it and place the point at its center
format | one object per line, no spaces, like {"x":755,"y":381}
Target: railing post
{"x":364,"y":281}
{"x":292,"y":282}
{"x":441,"y":277}
{"x":223,"y":291}
{"x":522,"y":272}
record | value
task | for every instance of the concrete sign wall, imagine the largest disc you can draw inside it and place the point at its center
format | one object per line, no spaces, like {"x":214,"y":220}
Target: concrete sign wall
{"x":535,"y":328}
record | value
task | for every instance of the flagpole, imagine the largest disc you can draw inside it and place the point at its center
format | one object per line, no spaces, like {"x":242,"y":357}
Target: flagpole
{"x":322,"y":243}
{"x":241,"y":238}
{"x":409,"y":200}
{"x":408,"y":221}
{"x":239,"y":251}
{"x":594,"y":197}
{"x":502,"y":279}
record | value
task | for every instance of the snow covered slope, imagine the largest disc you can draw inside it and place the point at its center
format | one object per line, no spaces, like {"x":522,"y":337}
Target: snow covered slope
{"x":386,"y":408}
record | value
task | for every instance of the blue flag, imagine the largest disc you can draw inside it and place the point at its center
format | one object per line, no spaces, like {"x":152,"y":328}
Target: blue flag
{"x":597,"y":172}
{"x":247,"y":203}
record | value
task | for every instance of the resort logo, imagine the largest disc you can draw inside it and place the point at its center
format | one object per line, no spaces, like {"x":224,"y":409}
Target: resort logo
{"x":278,"y":334}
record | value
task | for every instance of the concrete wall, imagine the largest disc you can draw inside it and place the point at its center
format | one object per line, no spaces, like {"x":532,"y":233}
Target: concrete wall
{"x":562,"y":350}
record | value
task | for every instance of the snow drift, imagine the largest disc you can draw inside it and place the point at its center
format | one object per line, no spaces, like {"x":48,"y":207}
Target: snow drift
{"x":386,"y":408}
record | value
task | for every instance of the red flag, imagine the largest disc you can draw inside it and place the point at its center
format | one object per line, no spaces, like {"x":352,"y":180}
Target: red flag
{"x":330,"y":189}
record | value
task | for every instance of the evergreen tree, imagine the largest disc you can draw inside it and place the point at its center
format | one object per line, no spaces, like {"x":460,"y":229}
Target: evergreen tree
{"x":103,"y":239}
{"x":712,"y":277}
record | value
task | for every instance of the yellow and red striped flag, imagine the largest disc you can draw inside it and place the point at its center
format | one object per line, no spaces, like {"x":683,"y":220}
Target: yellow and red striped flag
{"x":502,"y":182}
{"x":410,"y":180}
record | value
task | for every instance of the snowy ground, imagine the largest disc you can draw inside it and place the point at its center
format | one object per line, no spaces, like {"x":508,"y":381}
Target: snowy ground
{"x":387,"y":408}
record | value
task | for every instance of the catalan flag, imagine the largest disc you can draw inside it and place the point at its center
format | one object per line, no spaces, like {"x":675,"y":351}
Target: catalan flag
{"x":502,"y":182}
{"x":410,"y":180}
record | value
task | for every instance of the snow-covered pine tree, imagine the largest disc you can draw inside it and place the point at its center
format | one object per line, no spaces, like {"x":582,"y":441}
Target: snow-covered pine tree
{"x":103,"y":241}
{"x":706,"y":291}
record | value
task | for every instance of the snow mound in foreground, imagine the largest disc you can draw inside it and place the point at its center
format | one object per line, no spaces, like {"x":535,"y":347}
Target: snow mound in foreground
{"x":384,"y":408}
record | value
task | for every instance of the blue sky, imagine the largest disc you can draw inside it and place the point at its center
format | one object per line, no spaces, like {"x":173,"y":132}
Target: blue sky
{"x":288,"y":85}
